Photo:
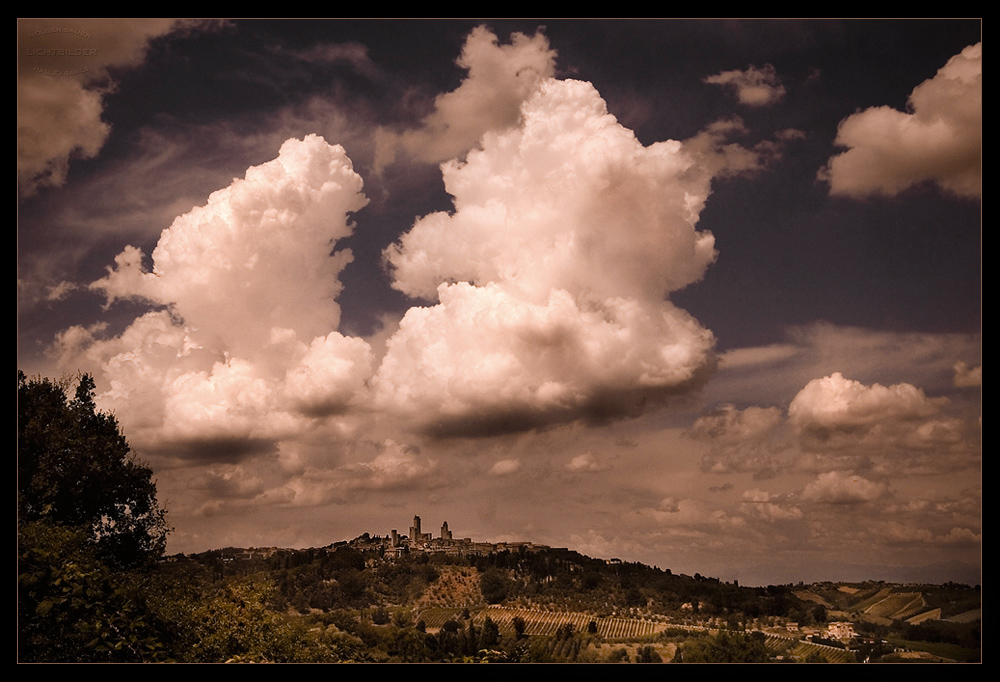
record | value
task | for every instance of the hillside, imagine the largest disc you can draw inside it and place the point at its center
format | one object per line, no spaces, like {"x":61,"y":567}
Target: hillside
{"x":546,"y":604}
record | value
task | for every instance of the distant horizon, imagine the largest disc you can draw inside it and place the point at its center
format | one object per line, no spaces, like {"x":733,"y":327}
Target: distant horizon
{"x":700,"y":294}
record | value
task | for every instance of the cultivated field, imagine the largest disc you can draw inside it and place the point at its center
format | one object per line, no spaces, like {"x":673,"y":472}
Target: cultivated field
{"x":545,"y":623}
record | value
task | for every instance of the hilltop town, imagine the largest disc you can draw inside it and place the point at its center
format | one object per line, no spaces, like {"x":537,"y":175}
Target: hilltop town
{"x":417,"y":541}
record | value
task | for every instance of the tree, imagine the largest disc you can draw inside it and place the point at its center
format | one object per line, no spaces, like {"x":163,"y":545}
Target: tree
{"x":494,"y":587}
{"x":490,"y":634}
{"x":73,"y":608}
{"x":648,"y":654}
{"x":725,"y":647}
{"x":88,"y":525}
{"x":519,"y":626}
{"x":76,"y":470}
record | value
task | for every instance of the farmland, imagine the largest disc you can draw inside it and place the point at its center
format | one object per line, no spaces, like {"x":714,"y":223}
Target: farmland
{"x":541,"y":623}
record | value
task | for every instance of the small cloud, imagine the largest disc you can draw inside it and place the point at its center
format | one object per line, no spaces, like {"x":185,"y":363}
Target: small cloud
{"x":717,"y":154}
{"x":731,"y":426}
{"x":352,"y":54}
{"x":836,"y":403}
{"x":395,"y":468}
{"x":669,"y":504}
{"x":233,"y":481}
{"x":61,"y":290}
{"x":60,"y":100}
{"x":500,"y":78}
{"x":836,"y":487}
{"x":585,"y":463}
{"x":754,"y":87}
{"x":966,"y":376}
{"x":741,"y":440}
{"x":505,"y":467}
{"x":763,"y":505}
{"x":939,"y":139}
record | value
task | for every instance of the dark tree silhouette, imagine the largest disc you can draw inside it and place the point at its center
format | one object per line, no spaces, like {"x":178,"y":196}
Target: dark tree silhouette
{"x":76,"y":470}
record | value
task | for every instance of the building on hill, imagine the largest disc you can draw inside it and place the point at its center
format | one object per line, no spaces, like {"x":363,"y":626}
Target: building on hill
{"x":841,"y":630}
{"x":416,"y":536}
{"x":397,"y":545}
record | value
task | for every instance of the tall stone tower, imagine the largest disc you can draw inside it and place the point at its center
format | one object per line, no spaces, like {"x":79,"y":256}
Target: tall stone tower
{"x":445,"y":533}
{"x":415,"y":530}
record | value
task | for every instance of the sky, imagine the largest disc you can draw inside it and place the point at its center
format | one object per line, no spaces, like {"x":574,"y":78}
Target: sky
{"x":704,"y":294}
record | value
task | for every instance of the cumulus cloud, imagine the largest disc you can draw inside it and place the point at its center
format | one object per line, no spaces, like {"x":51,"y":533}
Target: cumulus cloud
{"x":723,"y":157}
{"x":585,"y":463}
{"x":764,"y":505}
{"x":731,"y":426}
{"x":896,"y":533}
{"x":820,"y":349}
{"x":836,"y":423}
{"x":753,"y":87}
{"x":966,"y":376}
{"x":836,"y":487}
{"x":835,"y":414}
{"x":938,"y":139}
{"x":550,"y":275}
{"x":687,"y":515}
{"x":398,"y":466}
{"x":746,"y":440}
{"x":57,"y":121}
{"x":392,"y":466}
{"x":669,"y":504}
{"x":505,"y":467}
{"x":485,"y":361}
{"x":245,"y":343}
{"x":835,"y":403}
{"x":256,"y":257}
{"x":233,"y":482}
{"x":62,"y":79}
{"x":500,"y":78}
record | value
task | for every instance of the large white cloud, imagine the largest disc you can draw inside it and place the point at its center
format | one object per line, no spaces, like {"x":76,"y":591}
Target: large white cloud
{"x":257,"y":257}
{"x":569,"y":200}
{"x":550,"y":275}
{"x":246,"y":347}
{"x":939,"y":139}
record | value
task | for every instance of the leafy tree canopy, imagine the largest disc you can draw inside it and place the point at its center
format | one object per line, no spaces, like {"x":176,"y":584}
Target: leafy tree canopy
{"x":725,"y":647}
{"x":76,"y":470}
{"x":494,"y":586}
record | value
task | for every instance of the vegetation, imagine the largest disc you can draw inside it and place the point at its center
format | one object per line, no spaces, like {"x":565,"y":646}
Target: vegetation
{"x":90,"y":534}
{"x":89,"y":528}
{"x":76,"y":470}
{"x":725,"y":647}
